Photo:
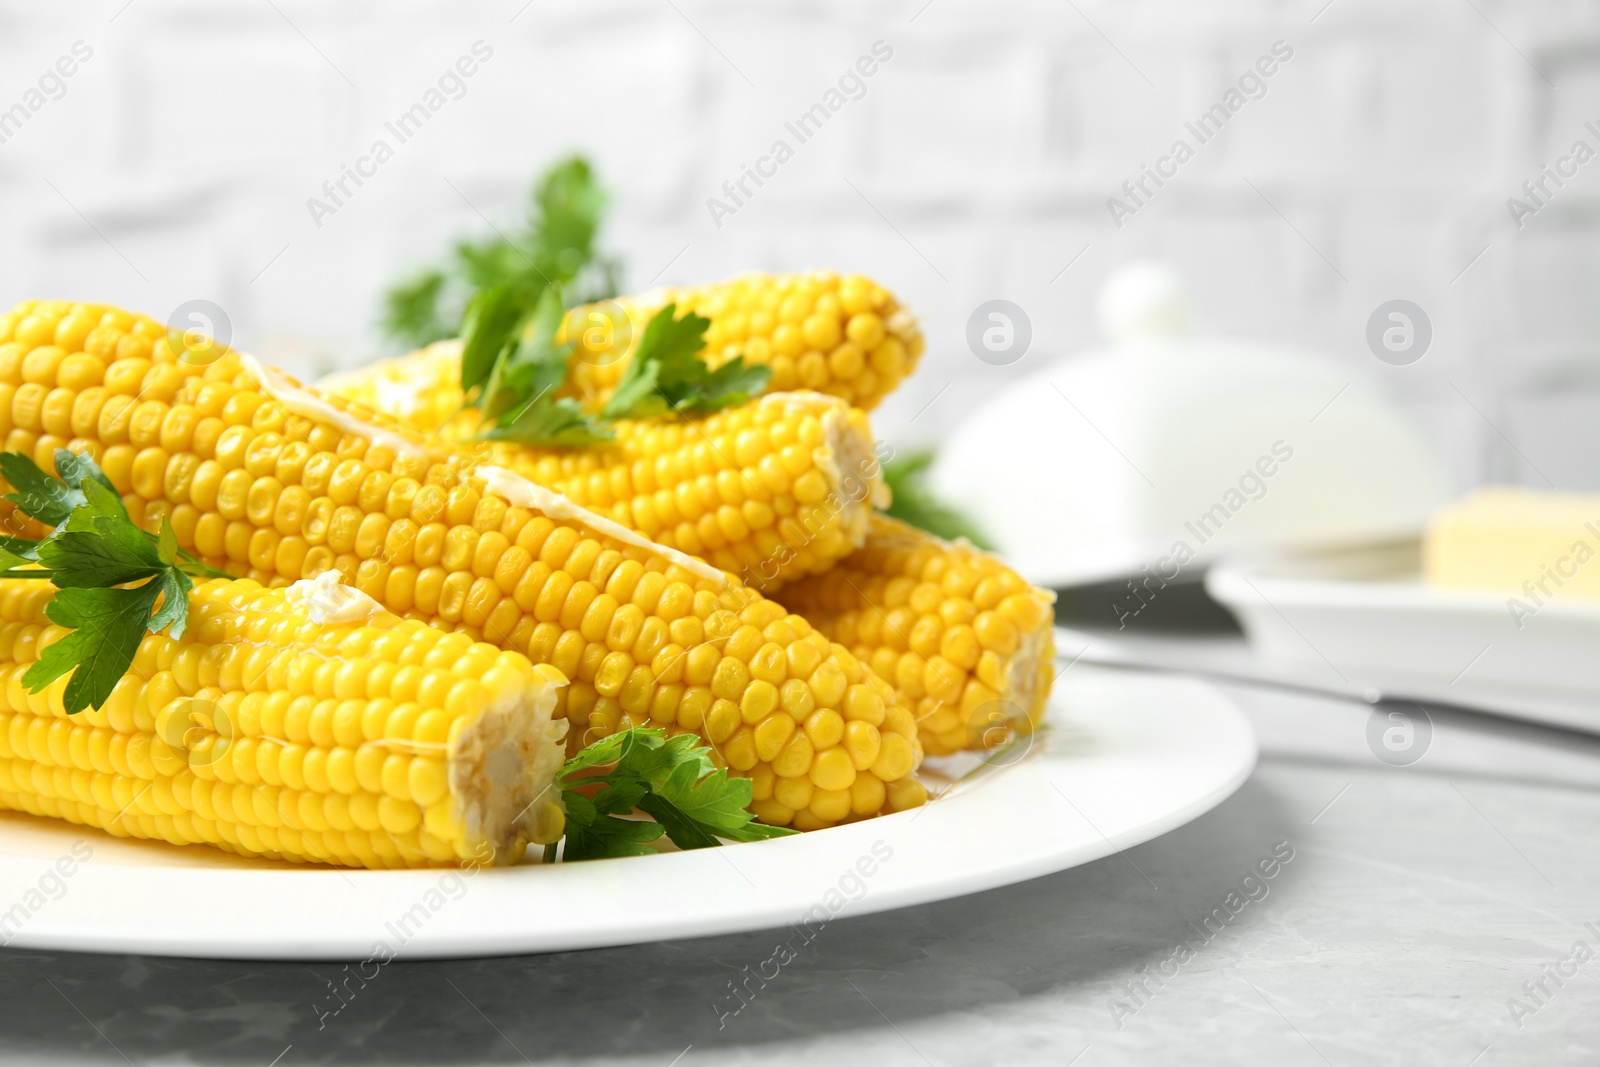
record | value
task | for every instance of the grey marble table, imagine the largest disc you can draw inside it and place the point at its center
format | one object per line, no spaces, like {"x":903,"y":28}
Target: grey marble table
{"x":1430,"y":914}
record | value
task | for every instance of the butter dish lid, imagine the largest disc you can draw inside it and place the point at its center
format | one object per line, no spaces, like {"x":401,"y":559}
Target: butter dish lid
{"x":1168,"y":452}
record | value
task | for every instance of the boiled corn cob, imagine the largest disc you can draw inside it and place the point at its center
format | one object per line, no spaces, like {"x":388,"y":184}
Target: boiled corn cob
{"x":966,"y":643}
{"x":772,"y":490}
{"x":270,"y":481}
{"x":370,"y":743}
{"x":844,"y":336}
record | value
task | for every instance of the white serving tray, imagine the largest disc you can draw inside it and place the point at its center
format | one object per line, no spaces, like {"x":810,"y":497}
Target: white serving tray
{"x":1362,"y":620}
{"x":1124,"y":758}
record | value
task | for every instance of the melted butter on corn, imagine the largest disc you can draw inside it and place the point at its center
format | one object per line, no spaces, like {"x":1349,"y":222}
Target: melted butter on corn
{"x":772,"y":490}
{"x":523,"y":493}
{"x":325,"y":600}
{"x":282,"y":389}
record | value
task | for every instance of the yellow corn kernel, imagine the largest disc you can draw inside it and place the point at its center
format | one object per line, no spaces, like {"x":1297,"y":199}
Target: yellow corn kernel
{"x":906,"y":794}
{"x":825,"y":728}
{"x":830,"y":805}
{"x":772,"y":812}
{"x":867,"y":794}
{"x":772,"y":734}
{"x":794,"y":793}
{"x":833,"y":769}
{"x":894,"y":758}
{"x":863,"y":742}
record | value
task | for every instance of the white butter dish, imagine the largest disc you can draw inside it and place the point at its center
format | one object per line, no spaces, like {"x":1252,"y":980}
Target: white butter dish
{"x":1363,"y":617}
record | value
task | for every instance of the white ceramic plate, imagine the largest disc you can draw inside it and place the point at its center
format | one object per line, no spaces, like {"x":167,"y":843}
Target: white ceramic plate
{"x":1361,"y":619}
{"x":1125,"y":758}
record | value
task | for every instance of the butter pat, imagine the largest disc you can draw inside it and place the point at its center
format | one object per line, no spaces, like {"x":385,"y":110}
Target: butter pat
{"x":1538,"y":545}
{"x":328,"y":603}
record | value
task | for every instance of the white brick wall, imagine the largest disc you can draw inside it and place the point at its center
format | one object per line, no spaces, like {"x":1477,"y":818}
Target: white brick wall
{"x":192,"y":138}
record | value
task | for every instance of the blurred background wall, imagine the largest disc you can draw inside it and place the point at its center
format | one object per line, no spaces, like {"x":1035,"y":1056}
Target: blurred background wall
{"x":1377,"y":164}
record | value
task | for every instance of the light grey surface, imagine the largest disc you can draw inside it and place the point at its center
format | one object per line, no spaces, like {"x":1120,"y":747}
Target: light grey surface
{"x":1418,"y":901}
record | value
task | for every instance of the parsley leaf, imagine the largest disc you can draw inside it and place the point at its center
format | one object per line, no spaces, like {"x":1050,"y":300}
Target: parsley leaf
{"x":673,"y":780}
{"x":75,"y":470}
{"x":175,"y":586}
{"x":518,"y":401}
{"x":716,"y":802}
{"x":412,"y":309}
{"x":571,"y":205}
{"x":11,"y":557}
{"x":535,"y":365}
{"x":107,"y":626}
{"x":99,"y":503}
{"x":37,"y":494}
{"x":505,"y":290}
{"x":487,"y":327}
{"x":546,"y":420}
{"x":114,"y":554}
{"x":593,"y":836}
{"x":554,"y":248}
{"x":18,"y":548}
{"x":733,"y":383}
{"x":667,"y":374}
{"x":92,"y":556}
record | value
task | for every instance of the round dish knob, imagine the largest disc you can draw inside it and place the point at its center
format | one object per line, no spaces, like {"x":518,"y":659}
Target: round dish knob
{"x":1144,"y":301}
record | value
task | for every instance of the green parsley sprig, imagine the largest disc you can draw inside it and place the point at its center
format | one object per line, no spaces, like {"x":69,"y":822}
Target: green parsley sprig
{"x":94,"y":556}
{"x":518,"y":402}
{"x":671,"y":779}
{"x":510,"y":278}
{"x":555,"y":246}
{"x":667,"y":375}
{"x":505,"y":298}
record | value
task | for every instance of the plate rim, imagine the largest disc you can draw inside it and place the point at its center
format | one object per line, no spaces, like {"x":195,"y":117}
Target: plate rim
{"x":773,"y":912}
